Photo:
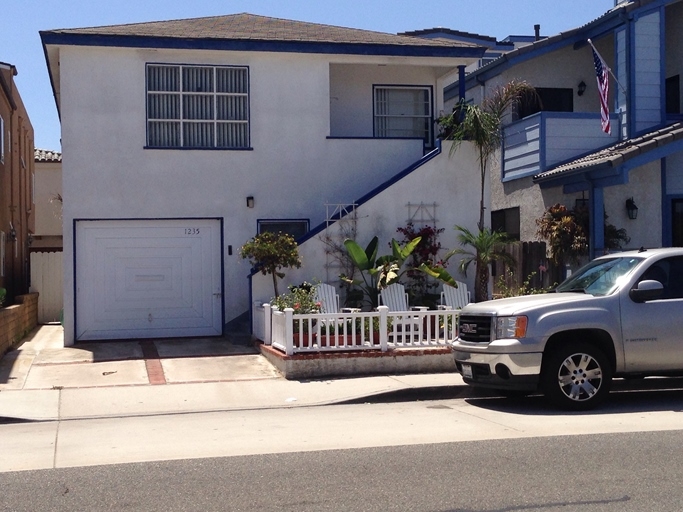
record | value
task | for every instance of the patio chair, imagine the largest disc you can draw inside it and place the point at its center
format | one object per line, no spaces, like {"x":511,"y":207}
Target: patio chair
{"x":454,"y":298}
{"x":327,"y":295}
{"x":395,"y":298}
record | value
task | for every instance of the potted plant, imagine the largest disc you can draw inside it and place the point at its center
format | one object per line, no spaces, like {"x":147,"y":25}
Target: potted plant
{"x":301,"y":298}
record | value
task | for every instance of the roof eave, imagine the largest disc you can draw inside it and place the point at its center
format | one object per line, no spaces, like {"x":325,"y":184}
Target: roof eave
{"x":60,"y":38}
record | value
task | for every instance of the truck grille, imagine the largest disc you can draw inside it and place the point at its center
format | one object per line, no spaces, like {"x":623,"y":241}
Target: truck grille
{"x":475,"y":328}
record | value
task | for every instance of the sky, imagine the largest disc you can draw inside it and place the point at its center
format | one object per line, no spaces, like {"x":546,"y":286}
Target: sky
{"x":22,"y":20}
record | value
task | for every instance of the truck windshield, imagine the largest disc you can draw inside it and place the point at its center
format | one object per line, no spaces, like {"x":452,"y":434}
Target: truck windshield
{"x":600,"y":277}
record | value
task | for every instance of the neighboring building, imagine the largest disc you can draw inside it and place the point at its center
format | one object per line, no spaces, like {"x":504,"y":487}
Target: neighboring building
{"x":48,"y":201}
{"x":560,"y":154}
{"x":17,"y":214}
{"x":46,"y":247}
{"x":183,"y":139}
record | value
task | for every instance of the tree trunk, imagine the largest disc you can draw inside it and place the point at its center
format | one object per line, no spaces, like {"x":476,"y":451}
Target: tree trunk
{"x":275,"y":285}
{"x":481,"y":289}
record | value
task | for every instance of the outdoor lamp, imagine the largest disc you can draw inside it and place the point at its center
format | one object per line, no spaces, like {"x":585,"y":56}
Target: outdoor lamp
{"x":631,"y":209}
{"x":250,"y":201}
{"x":581,"y":88}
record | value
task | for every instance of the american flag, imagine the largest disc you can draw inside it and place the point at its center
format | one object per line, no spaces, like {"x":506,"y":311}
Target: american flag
{"x":602,"y":74}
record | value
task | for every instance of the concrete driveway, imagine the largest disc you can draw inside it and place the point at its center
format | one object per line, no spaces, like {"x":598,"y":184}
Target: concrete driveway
{"x":42,"y":362}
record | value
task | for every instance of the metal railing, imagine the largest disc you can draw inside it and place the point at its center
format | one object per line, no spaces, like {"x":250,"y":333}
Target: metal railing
{"x":375,"y":330}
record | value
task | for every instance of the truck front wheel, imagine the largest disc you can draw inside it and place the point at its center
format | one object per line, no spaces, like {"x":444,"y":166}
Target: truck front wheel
{"x":576,"y":377}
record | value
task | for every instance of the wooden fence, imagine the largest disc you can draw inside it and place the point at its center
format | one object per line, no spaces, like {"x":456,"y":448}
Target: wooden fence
{"x":47,"y":281}
{"x":533,"y":265}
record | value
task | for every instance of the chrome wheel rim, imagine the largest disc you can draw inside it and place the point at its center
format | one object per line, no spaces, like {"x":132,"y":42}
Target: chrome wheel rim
{"x":580,"y":377}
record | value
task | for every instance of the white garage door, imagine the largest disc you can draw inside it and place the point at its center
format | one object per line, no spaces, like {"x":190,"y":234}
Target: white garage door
{"x":148,"y":278}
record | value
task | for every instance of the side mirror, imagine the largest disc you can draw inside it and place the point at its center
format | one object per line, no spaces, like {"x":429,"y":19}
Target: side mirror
{"x":646,"y":290}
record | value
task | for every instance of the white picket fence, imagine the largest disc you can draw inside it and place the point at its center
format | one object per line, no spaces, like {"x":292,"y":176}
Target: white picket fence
{"x":375,"y":330}
{"x":47,"y":280}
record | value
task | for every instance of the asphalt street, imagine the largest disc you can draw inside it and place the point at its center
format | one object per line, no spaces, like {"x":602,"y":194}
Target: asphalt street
{"x":622,"y":472}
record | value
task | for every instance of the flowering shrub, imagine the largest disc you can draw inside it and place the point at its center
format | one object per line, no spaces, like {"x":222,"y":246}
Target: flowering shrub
{"x":525,"y":289}
{"x":420,"y":286}
{"x":301,"y":298}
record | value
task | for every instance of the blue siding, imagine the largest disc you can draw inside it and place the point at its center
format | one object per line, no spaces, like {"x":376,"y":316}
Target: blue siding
{"x":622,"y":75}
{"x":546,"y":139}
{"x":647,"y":76}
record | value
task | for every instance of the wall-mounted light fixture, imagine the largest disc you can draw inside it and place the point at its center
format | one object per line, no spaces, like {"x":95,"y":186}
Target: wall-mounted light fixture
{"x":581,"y":88}
{"x":12,"y":233}
{"x":250,"y":201}
{"x":631,"y":209}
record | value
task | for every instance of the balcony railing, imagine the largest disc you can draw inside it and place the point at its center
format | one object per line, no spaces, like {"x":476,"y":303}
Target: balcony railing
{"x":546,"y":139}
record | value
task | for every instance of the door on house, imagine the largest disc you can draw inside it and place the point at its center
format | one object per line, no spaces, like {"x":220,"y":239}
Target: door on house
{"x":148,"y":278}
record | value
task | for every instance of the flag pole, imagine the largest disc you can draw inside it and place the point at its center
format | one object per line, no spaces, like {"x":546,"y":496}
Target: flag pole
{"x":609,"y":70}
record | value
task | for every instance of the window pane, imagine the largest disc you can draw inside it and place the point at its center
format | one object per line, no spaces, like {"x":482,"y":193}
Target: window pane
{"x":232,"y":108}
{"x":233,"y":135}
{"x":163,"y":134}
{"x":197,"y":79}
{"x":296,"y":228}
{"x":163,"y":78}
{"x":198,"y":135}
{"x":231,"y":80}
{"x":197,"y":106}
{"x":163,"y":106}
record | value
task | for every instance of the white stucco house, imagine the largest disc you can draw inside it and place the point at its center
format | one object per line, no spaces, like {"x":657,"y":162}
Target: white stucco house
{"x":560,"y":153}
{"x":183,"y":139}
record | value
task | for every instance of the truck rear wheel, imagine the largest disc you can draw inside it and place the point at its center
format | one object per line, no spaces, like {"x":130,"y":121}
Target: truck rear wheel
{"x":576,"y":377}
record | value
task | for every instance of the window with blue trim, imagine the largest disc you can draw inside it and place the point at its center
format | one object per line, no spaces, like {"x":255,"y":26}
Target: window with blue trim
{"x":295,"y":227}
{"x":197,"y":106}
{"x":404,"y":111}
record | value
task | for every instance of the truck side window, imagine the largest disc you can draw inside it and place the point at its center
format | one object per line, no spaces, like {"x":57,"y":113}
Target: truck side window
{"x":669,"y":272}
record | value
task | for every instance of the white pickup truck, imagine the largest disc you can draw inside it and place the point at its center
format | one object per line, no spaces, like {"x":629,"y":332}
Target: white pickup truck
{"x":619,"y":316}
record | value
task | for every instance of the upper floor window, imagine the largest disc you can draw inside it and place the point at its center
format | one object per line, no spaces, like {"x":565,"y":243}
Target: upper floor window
{"x":197,"y":106}
{"x":672,"y":88}
{"x":404,"y":112}
{"x":548,"y":99}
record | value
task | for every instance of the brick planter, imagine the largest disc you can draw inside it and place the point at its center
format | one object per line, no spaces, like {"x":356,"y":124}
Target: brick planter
{"x":17,"y":320}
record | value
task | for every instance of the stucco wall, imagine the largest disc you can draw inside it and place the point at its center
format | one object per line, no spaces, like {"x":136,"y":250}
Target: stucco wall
{"x":644,"y":186}
{"x":351,"y":93}
{"x":292,"y":170}
{"x":48,"y":184}
{"x":450,"y":182}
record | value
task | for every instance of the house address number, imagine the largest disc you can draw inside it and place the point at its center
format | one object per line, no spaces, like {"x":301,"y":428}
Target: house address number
{"x":191,"y":231}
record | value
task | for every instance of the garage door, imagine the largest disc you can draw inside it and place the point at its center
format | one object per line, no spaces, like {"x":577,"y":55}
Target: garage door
{"x":148,"y":278}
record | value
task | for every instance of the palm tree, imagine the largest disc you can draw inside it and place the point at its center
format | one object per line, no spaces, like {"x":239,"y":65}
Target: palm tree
{"x":486,"y":246}
{"x":481,"y":125}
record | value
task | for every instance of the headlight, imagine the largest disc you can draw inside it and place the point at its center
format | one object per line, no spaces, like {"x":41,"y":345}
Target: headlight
{"x":511,"y":327}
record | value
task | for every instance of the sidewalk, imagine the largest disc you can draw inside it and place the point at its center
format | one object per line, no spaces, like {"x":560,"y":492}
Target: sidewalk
{"x":43,"y":381}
